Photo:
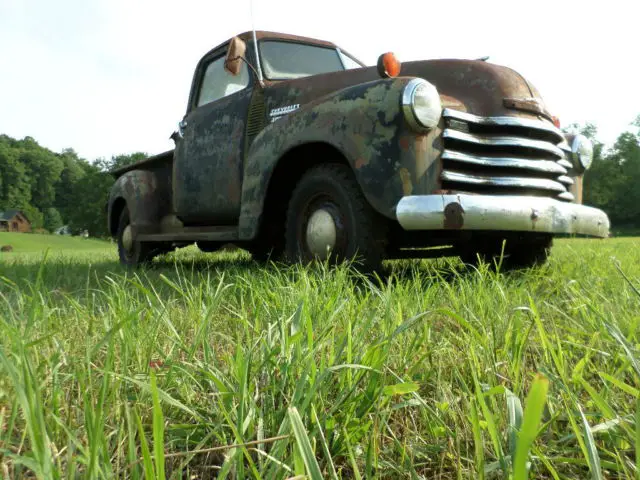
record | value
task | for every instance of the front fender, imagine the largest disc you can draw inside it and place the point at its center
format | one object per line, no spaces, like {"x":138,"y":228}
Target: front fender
{"x":365,"y":123}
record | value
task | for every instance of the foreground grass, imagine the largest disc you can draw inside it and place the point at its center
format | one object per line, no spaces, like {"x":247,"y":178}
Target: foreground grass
{"x":209,"y":366}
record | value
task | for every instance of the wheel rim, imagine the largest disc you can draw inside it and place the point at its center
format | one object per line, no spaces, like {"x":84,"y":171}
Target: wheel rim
{"x":321,"y":233}
{"x":127,"y":239}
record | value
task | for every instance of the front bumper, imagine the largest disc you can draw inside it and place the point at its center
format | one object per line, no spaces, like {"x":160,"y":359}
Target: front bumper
{"x":500,"y":212}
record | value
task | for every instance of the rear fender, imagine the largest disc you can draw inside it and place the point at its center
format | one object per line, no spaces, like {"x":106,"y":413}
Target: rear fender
{"x":139,"y":189}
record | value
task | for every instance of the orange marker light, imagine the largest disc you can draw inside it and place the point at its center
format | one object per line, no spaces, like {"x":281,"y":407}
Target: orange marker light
{"x":556,"y":121}
{"x":388,"y":65}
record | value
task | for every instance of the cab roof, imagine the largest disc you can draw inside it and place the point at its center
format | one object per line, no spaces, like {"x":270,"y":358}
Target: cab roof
{"x":263,"y":35}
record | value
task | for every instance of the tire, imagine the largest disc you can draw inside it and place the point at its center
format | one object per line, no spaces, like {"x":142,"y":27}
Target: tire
{"x":329,"y":197}
{"x":518,"y":254}
{"x":139,"y":253}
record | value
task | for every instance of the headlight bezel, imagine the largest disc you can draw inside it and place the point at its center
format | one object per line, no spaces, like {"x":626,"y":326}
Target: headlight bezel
{"x":581,"y":152}
{"x":415,"y":120}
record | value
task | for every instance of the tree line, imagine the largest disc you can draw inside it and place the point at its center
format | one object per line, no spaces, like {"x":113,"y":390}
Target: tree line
{"x":613,"y":181}
{"x":57,"y":189}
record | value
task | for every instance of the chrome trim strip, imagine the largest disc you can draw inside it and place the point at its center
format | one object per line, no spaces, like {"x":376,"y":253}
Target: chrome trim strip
{"x":547,"y":166}
{"x":504,"y":141}
{"x":517,"y":182}
{"x":567,"y":196}
{"x":505,"y":121}
{"x":500,"y":212}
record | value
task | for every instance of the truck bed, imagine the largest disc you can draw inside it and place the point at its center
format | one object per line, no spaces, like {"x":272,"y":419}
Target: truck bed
{"x":146,"y":164}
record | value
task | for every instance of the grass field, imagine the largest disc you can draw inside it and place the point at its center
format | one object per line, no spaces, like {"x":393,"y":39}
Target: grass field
{"x":210,"y":366}
{"x":22,"y":243}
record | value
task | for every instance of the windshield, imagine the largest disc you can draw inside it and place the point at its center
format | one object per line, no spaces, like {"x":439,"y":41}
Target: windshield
{"x":286,"y":60}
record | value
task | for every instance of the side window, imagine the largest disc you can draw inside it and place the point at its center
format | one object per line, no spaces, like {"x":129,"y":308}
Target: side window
{"x":218,"y":83}
{"x":349,"y":63}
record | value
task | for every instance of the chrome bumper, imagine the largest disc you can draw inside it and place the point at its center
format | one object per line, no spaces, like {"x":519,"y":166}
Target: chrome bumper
{"x":500,"y":212}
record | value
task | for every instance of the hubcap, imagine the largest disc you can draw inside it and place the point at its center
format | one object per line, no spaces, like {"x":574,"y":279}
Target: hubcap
{"x":127,"y":238}
{"x":321,"y":233}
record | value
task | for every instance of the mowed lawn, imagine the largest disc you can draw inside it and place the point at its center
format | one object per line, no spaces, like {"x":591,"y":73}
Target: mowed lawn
{"x":34,"y":243}
{"x":210,"y":366}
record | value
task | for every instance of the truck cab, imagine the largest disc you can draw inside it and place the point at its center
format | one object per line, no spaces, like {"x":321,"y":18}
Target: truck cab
{"x":293,"y":149}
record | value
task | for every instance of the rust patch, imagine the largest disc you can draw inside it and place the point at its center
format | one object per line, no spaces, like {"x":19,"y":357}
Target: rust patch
{"x":453,"y":216}
{"x":360,"y":163}
{"x":405,"y":177}
{"x":404,"y":143}
{"x":451,"y":102}
{"x":421,"y":143}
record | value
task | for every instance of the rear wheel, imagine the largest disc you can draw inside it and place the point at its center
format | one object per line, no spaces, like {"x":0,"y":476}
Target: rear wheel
{"x":329,"y":218}
{"x":132,"y":252}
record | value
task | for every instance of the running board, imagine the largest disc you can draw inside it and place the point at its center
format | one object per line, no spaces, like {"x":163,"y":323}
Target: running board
{"x":193,"y":234}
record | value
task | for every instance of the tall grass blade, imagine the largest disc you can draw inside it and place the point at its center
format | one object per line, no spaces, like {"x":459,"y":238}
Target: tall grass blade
{"x":302,"y":440}
{"x":158,"y":430}
{"x":592,"y":449}
{"x":514,"y":418}
{"x":149,"y":472}
{"x":533,"y":409}
{"x":637,"y":438}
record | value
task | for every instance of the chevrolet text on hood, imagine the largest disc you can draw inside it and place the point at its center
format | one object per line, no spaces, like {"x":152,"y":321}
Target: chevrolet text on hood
{"x":294,"y":150}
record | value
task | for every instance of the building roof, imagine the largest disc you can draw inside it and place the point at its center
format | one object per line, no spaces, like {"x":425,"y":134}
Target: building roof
{"x":9,"y":214}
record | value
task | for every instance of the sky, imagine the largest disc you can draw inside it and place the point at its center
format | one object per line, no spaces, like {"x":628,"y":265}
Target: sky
{"x":110,"y":77}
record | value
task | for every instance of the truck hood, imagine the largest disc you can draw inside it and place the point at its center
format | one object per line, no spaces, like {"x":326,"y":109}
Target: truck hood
{"x":472,"y":86}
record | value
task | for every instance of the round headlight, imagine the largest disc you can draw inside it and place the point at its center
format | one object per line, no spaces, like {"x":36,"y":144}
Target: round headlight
{"x":582,"y":152}
{"x":421,"y":104}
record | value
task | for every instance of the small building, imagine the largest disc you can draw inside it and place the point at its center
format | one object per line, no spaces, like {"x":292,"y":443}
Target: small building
{"x":14,"y":221}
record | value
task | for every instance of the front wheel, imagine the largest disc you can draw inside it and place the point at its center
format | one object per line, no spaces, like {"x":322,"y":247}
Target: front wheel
{"x":329,"y":218}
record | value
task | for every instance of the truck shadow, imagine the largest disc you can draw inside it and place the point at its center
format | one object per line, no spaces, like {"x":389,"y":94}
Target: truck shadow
{"x":79,"y":278}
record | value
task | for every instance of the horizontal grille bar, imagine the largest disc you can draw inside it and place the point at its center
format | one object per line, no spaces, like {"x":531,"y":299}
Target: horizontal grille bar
{"x":567,"y":196}
{"x":565,"y":163}
{"x":566,"y":180}
{"x":545,"y":166}
{"x":505,"y":121}
{"x":499,"y":181}
{"x":503,"y":141}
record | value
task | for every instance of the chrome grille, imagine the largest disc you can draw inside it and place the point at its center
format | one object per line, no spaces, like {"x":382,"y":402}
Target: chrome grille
{"x":507,"y":155}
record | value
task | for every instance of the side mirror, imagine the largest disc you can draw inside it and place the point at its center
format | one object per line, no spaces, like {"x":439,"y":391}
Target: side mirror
{"x":235,"y":55}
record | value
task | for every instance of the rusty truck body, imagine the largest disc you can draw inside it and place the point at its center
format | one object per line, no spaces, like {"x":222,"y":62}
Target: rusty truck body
{"x":293,"y":149}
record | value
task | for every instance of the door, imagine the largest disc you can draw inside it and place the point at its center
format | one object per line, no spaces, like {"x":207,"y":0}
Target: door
{"x":208,"y":161}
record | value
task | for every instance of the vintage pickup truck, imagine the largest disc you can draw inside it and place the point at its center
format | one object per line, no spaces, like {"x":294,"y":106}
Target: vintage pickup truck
{"x":294,"y":150}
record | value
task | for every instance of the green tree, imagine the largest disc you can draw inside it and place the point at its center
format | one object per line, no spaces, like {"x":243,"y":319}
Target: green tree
{"x":34,"y":215}
{"x":612,"y":183}
{"x":43,"y":170}
{"x":52,"y":219}
{"x":74,"y":170}
{"x":15,"y":190}
{"x":120,"y":161}
{"x":625,"y":154}
{"x":90,"y":196}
